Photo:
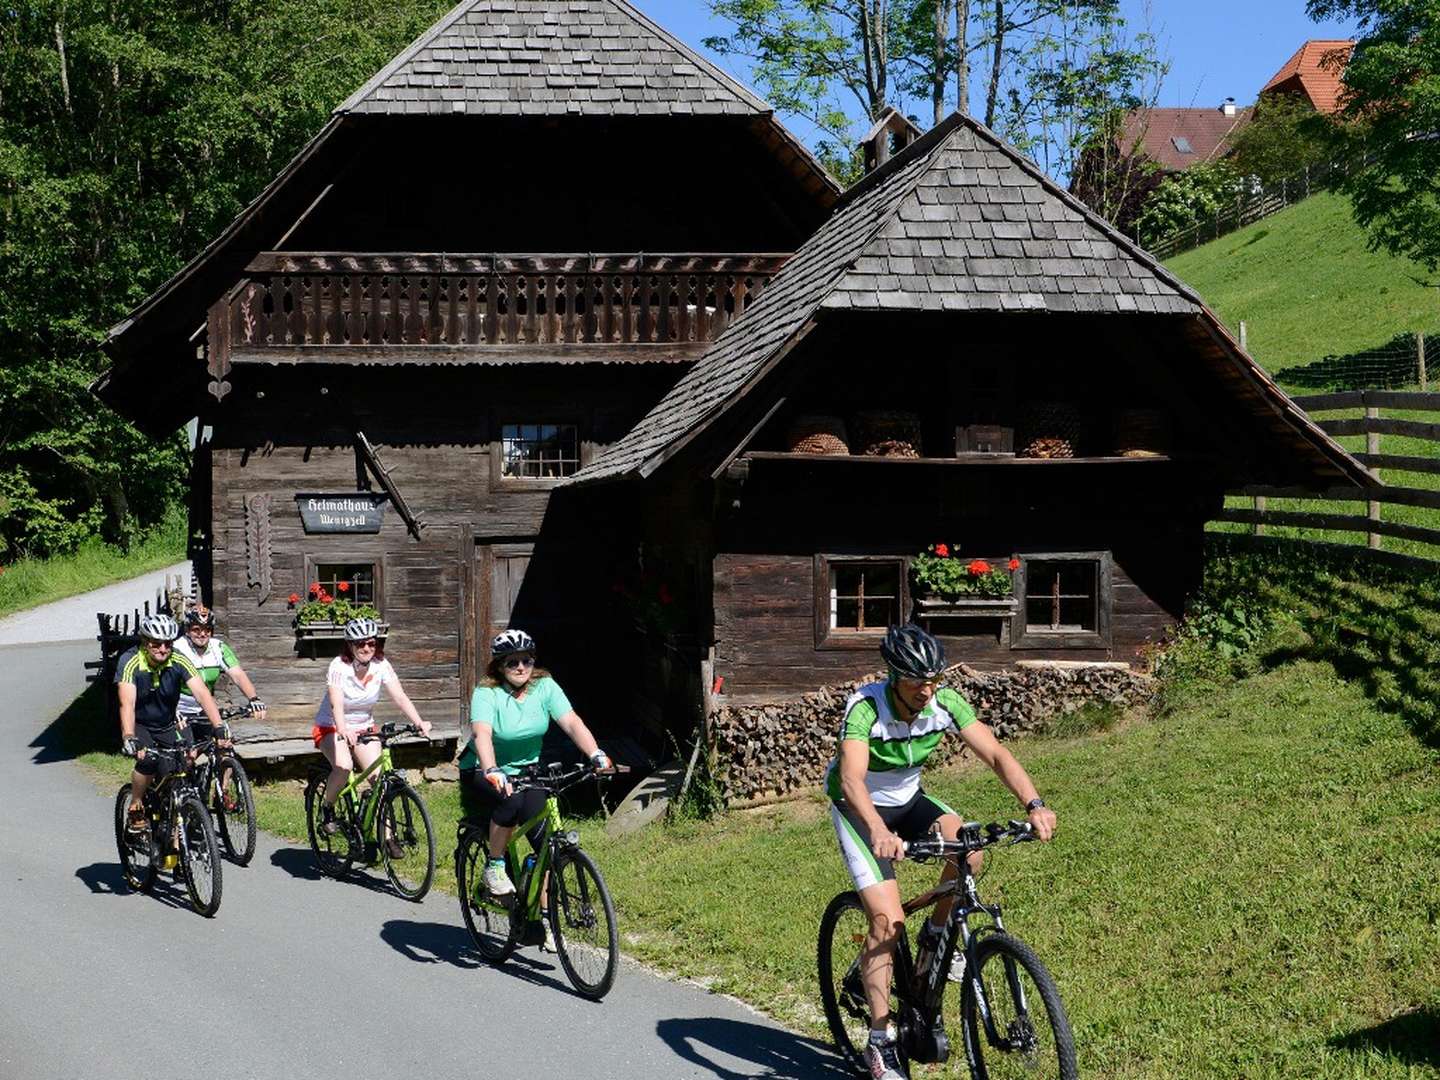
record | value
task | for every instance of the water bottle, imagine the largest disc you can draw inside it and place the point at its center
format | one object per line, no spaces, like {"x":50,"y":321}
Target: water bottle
{"x":526,"y":868}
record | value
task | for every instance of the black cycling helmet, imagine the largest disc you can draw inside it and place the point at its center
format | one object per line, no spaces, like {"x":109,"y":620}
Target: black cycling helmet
{"x":511,"y":641}
{"x":912,"y":653}
{"x":200,"y":616}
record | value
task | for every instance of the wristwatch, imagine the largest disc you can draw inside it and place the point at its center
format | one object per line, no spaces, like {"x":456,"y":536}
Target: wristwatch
{"x":1034,"y":804}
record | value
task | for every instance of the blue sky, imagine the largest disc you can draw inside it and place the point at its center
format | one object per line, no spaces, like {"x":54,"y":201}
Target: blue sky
{"x":1217,"y":48}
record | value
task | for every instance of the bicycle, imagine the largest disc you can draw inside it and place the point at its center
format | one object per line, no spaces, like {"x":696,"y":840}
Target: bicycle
{"x":389,"y":824}
{"x":1001,"y":1029}
{"x":581,"y":912}
{"x":180,"y":838}
{"x":225,"y":786}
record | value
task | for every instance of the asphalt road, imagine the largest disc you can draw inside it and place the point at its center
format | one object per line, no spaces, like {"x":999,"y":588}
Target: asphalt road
{"x":297,"y":975}
{"x":74,"y":617}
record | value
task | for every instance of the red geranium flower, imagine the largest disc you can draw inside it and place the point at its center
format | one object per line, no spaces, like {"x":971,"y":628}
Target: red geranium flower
{"x":978,"y":567}
{"x":943,"y":550}
{"x":344,"y":586}
{"x":294,"y":598}
{"x":315,"y":588}
{"x":1014,"y":564}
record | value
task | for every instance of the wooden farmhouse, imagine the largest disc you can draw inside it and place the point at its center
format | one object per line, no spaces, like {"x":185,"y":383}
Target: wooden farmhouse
{"x":554,"y":326}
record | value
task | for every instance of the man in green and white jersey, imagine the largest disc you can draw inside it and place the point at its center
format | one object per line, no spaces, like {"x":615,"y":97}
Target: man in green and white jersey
{"x":211,"y":657}
{"x":877,"y":804}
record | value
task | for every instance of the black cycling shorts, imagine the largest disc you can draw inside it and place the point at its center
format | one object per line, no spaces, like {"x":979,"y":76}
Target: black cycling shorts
{"x":479,"y":801}
{"x":167,"y":737}
{"x":909,"y":822}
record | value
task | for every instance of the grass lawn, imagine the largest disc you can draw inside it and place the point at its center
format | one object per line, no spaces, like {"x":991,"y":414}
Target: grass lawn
{"x":1306,"y":286}
{"x":1244,"y":885}
{"x":27,"y":583}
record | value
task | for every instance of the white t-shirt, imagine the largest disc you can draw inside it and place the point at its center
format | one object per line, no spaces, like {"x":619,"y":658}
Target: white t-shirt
{"x":358,"y":694}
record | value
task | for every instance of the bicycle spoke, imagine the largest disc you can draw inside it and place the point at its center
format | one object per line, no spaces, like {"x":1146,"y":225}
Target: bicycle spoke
{"x":406,"y":844}
{"x":582,"y":919}
{"x":489,"y":921}
{"x":1032,"y":1036}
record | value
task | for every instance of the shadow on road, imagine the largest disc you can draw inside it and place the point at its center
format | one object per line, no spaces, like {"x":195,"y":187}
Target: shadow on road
{"x":80,"y":729}
{"x":106,"y":879}
{"x":443,"y":943}
{"x":777,"y":1052}
{"x":1412,"y":1038}
{"x":300,"y":863}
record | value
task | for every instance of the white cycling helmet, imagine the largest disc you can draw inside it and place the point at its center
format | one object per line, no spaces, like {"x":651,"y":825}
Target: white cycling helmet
{"x":159,"y":628}
{"x":361,"y":629}
{"x":511,"y":641}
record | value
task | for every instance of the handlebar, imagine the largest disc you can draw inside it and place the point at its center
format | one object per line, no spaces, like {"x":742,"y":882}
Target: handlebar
{"x":973,"y":837}
{"x":232,"y":712}
{"x":386,"y":732}
{"x":554,"y":777}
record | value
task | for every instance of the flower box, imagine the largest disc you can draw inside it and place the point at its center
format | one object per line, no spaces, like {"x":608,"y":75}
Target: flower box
{"x":329,"y":631}
{"x":971,"y":606}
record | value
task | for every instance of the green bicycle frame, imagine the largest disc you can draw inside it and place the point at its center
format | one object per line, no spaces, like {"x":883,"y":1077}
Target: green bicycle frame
{"x":370,"y":804}
{"x":550,"y":817}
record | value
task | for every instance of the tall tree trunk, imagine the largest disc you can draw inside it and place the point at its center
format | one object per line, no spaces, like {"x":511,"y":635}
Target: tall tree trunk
{"x":64,"y":66}
{"x":937,"y":78}
{"x":962,"y":56}
{"x":993,"y":94}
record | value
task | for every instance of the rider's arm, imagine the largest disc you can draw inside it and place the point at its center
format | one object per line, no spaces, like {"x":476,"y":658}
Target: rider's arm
{"x":580,"y":735}
{"x":201,"y":693}
{"x":403,"y":702}
{"x":126,"y":692}
{"x":854,"y":764}
{"x":985,"y":746}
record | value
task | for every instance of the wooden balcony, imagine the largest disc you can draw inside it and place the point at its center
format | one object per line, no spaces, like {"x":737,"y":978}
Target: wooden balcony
{"x":305,"y":306}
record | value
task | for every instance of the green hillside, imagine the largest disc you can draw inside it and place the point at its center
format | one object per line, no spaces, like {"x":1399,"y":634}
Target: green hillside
{"x":1306,"y":286}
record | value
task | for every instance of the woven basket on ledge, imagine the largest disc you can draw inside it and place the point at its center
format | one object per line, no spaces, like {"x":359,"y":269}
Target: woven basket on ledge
{"x":817,"y":435}
{"x":888,"y":433}
{"x":1048,"y":429}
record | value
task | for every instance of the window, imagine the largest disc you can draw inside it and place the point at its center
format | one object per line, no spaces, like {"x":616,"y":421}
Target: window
{"x":1182,"y":144}
{"x":856,"y":599}
{"x":540,"y":451}
{"x":358,"y":579}
{"x":1064,"y":601}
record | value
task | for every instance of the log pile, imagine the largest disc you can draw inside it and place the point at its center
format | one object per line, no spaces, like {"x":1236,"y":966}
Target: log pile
{"x":771,"y":751}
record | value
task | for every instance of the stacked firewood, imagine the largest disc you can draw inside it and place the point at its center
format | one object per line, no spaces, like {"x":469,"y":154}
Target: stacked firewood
{"x":775,"y":750}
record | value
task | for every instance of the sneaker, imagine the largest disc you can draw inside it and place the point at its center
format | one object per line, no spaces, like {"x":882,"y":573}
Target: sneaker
{"x":957,"y":967}
{"x":137,"y":823}
{"x":497,"y":882}
{"x":394,"y":848}
{"x":328,"y":825}
{"x":883,"y":1060}
{"x":547,"y":943}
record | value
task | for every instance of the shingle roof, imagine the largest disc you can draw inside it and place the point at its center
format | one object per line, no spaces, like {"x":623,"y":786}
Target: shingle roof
{"x":1156,"y":131}
{"x":957,"y":221}
{"x":1316,"y":70}
{"x":550,"y":57}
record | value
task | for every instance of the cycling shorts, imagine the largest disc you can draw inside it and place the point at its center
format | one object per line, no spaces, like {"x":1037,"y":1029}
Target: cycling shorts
{"x":480,"y":802}
{"x":910,"y":821}
{"x":147,"y":738}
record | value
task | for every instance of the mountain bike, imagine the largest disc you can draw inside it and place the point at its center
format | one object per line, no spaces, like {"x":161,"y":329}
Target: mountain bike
{"x":181,"y":837}
{"x":1012,"y":1021}
{"x":581,"y":913}
{"x":225,"y":787}
{"x":388,"y":824}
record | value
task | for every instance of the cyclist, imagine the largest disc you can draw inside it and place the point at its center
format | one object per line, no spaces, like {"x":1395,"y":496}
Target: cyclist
{"x":210,"y":656}
{"x":510,"y":712}
{"x":149,"y":681}
{"x":889,"y":729}
{"x":352,"y":687}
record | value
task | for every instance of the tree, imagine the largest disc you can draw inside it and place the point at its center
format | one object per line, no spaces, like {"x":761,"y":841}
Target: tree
{"x":1392,"y":103}
{"x":132,"y":131}
{"x":1284,"y":137}
{"x":1184,"y":200}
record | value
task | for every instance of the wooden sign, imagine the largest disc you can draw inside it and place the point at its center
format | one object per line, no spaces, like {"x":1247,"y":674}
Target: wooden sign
{"x":346,"y":512}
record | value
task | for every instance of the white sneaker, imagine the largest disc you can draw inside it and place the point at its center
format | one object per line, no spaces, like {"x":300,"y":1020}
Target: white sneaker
{"x":548,"y":945}
{"x":497,"y":882}
{"x":957,"y":967}
{"x":883,"y":1061}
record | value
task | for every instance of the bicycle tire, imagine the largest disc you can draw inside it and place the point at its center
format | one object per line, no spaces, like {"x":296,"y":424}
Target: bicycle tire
{"x":998,"y":957}
{"x":588,"y":951}
{"x":334,"y":854}
{"x":137,"y":859}
{"x":199,"y":856}
{"x":237,"y":825}
{"x":403,"y":817}
{"x":492,"y":927}
{"x":843,"y":928}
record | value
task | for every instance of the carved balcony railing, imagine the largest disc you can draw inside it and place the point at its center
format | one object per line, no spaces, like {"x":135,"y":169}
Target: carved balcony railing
{"x":305,"y":299}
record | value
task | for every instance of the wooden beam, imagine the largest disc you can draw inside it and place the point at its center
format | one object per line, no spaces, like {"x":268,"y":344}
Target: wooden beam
{"x":675,"y":352}
{"x":382,"y":474}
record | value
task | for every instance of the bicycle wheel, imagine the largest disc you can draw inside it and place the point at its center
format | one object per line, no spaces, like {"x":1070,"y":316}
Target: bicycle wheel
{"x":843,"y":929}
{"x":137,"y":855}
{"x":582,"y":918}
{"x":1033,"y":1036}
{"x":333,"y":852}
{"x":235,"y":810}
{"x":405,"y":822}
{"x":491,"y":926}
{"x":199,"y":855}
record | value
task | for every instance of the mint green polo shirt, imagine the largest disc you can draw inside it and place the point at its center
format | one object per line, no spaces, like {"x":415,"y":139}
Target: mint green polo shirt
{"x":517,"y":727}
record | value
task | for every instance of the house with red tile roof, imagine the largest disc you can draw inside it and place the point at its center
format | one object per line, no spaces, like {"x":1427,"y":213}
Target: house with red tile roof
{"x":1176,"y":139}
{"x":1314,"y":73}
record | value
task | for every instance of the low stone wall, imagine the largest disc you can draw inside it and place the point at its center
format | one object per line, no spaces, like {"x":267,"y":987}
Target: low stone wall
{"x":765,"y":752}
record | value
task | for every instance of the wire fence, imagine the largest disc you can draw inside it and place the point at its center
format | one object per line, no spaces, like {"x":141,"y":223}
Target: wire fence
{"x":1251,"y":206}
{"x":1400,"y":362}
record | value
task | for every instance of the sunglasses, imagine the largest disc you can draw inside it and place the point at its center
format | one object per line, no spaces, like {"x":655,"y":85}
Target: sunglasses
{"x":513,"y":662}
{"x":200,"y":630}
{"x":158,"y":644}
{"x":368,"y":643}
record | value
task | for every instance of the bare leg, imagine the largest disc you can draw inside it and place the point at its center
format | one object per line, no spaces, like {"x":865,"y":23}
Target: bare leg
{"x":877,"y":962}
{"x":500,"y":839}
{"x":950,"y":825}
{"x":138,"y":783}
{"x":337,"y":753}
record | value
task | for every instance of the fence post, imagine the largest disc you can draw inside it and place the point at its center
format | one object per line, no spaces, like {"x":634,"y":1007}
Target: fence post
{"x":1259,"y":528}
{"x":1243,"y":347}
{"x":1420,"y":361}
{"x":1372,"y":446}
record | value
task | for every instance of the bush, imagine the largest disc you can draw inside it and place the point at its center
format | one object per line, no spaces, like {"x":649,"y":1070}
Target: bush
{"x":1184,"y":200}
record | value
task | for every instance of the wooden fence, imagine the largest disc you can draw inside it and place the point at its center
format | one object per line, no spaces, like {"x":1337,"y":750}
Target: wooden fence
{"x":1374,"y":427}
{"x":1249,"y":207}
{"x":119,"y":633}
